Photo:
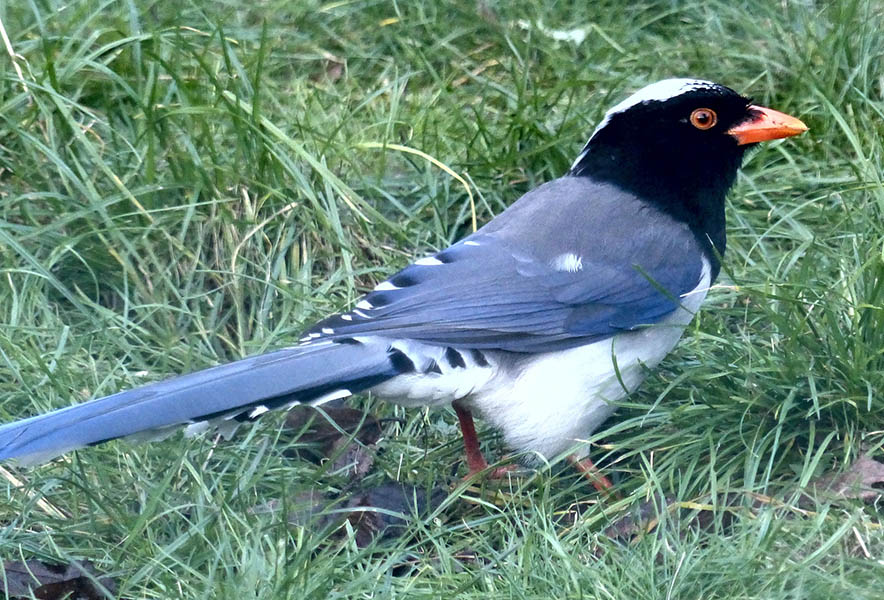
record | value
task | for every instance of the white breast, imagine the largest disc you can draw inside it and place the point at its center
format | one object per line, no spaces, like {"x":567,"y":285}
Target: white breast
{"x":546,"y":403}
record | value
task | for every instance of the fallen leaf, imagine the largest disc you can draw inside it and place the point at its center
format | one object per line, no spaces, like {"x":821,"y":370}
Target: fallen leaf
{"x":693,"y":514}
{"x":380,"y":512}
{"x":856,"y":483}
{"x":74,"y":581}
{"x":346,"y":436}
{"x":384,"y":512}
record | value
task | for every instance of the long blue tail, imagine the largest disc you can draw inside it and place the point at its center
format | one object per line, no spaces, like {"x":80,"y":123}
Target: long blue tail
{"x":238,"y":391}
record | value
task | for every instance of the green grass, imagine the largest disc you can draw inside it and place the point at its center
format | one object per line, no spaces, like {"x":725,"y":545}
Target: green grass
{"x":184,"y":183}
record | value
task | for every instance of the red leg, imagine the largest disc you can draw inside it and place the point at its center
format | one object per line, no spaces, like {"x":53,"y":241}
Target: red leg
{"x":475,"y":461}
{"x":593,"y":474}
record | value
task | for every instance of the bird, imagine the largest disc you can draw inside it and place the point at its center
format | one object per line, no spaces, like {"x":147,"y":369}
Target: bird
{"x":539,"y":322}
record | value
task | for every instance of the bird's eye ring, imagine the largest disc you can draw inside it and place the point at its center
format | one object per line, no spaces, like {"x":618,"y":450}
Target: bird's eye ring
{"x":704,"y":118}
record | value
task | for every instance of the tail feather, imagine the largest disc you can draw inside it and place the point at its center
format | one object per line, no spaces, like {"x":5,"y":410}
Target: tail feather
{"x":242,"y":390}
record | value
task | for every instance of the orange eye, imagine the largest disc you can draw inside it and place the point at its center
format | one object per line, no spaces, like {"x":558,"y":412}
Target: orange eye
{"x":704,"y":118}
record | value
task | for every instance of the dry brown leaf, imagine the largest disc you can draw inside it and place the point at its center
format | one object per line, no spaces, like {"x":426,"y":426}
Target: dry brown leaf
{"x":74,"y":581}
{"x":346,"y":436}
{"x":856,"y":483}
{"x":380,"y":512}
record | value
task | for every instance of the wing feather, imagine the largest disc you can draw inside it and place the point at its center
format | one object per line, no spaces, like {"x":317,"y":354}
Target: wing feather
{"x":504,"y":287}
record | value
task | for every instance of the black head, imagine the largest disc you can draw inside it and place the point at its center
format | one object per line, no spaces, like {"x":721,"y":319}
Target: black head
{"x":677,"y":144}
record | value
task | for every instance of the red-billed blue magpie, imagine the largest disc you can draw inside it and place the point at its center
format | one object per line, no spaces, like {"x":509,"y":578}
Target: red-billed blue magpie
{"x":539,"y":322}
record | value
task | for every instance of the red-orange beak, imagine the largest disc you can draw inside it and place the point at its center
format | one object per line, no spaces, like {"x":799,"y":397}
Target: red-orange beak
{"x":766,"y":124}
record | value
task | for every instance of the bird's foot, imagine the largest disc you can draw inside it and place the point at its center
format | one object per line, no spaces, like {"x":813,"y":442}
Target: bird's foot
{"x":594,"y":475}
{"x":496,"y":473}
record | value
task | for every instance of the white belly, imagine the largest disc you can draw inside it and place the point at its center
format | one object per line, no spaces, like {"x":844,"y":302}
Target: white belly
{"x":548,"y":403}
{"x":544,"y":403}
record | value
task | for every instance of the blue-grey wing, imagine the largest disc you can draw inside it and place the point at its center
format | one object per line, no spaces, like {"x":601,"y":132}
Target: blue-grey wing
{"x":537,"y":281}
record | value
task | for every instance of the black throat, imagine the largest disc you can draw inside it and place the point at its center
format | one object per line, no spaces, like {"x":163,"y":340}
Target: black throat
{"x":682,"y":182}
